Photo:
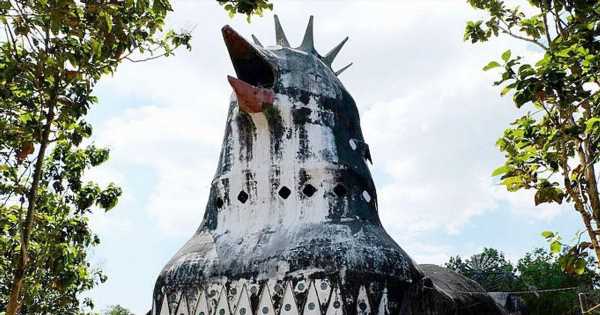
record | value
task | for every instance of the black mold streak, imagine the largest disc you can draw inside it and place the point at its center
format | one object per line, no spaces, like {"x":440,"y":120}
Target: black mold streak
{"x":276,"y":129}
{"x":247,"y":134}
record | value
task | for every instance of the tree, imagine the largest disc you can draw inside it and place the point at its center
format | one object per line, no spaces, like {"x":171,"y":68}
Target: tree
{"x":52,"y":54}
{"x":552,"y":149}
{"x":117,"y":310}
{"x":489,"y":268}
{"x":540,"y":270}
{"x":537,"y":270}
{"x":247,"y":7}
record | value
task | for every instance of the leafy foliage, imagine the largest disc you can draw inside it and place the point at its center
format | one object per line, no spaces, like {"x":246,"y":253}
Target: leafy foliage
{"x":554,"y":147}
{"x":540,"y":270}
{"x":537,"y":270}
{"x":247,"y":7}
{"x":52,"y":54}
{"x":117,"y":310}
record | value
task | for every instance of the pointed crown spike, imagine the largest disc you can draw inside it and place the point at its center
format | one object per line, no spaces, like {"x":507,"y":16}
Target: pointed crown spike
{"x":337,"y":73}
{"x":280,"y":38}
{"x":308,"y":43}
{"x":328,"y":59}
{"x":256,"y":41}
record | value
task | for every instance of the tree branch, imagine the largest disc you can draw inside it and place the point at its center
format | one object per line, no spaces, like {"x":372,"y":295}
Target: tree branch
{"x":533,"y":41}
{"x":144,"y":59}
{"x":546,"y":29}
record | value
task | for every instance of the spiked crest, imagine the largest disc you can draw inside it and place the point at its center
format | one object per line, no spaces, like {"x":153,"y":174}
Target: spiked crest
{"x":308,"y":43}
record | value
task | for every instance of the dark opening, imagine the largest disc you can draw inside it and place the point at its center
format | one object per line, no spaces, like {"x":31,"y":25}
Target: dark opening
{"x":363,"y":306}
{"x":253,"y":69}
{"x":284,"y":192}
{"x":340,"y":190}
{"x":309,"y":190}
{"x":249,"y":63}
{"x":219,"y":203}
{"x":242,"y":196}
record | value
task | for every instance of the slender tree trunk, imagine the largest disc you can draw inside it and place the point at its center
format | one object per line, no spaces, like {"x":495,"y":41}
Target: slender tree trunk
{"x":579,"y":205}
{"x":14,"y":302}
{"x":585,"y":154}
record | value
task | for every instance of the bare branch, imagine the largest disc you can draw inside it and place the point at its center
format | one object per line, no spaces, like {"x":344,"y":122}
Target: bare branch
{"x":145,"y":59}
{"x":533,"y":41}
{"x":546,"y":29}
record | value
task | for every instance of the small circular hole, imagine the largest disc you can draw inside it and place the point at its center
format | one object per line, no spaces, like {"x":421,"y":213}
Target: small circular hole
{"x":311,"y":306}
{"x":242,"y":311}
{"x":222,"y":312}
{"x":323,"y":285}
{"x":336,"y":304}
{"x":288,"y":307}
{"x":265,"y":310}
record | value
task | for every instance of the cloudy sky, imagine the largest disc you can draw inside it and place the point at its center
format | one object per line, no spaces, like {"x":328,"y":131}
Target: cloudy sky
{"x":429,"y":114}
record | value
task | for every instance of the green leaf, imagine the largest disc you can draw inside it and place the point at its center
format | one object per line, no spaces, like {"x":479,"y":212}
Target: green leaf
{"x":109,"y":22}
{"x":513,"y":183}
{"x":548,"y":234}
{"x":580,"y":266}
{"x":506,"y":55}
{"x":548,"y":194}
{"x":592,"y":124}
{"x":555,"y":247}
{"x":506,"y":89}
{"x":500,"y":170}
{"x":491,"y":65}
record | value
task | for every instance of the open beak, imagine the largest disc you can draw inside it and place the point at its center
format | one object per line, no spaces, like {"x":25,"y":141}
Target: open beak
{"x":255,"y":75}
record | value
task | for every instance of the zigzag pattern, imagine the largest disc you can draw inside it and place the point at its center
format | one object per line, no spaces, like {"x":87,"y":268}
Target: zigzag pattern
{"x":319,"y":297}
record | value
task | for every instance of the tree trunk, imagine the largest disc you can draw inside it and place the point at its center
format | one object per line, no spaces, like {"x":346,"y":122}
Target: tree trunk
{"x":14,"y":302}
{"x":579,"y":205}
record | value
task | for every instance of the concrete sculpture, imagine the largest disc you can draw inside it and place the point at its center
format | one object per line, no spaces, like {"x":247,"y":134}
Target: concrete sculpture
{"x":291,"y":226}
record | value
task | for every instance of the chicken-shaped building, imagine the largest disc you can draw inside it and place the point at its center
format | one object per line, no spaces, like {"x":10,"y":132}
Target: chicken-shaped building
{"x":291,"y":226}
